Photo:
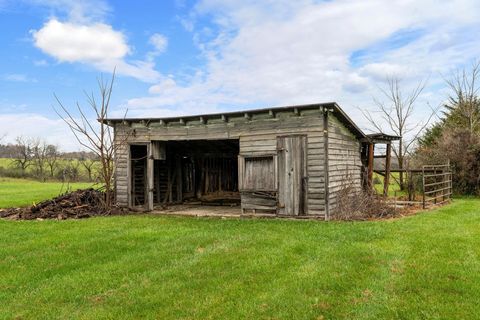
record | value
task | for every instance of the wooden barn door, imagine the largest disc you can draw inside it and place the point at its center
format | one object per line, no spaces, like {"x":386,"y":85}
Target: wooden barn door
{"x":291,"y":174}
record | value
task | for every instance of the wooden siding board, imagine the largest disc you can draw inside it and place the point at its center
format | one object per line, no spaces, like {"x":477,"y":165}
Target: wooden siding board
{"x":344,"y":160}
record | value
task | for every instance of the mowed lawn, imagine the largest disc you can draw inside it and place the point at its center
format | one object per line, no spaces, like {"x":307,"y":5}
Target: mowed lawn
{"x":152,"y":267}
{"x":22,"y":192}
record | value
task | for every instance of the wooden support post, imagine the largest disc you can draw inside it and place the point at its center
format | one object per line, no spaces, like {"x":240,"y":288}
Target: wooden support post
{"x":386,"y":178}
{"x":423,"y":187}
{"x":370,"y":166}
{"x":149,"y":177}
{"x":325,"y":164}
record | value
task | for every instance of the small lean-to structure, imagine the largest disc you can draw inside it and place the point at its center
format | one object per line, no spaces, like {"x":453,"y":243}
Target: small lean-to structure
{"x":286,"y":161}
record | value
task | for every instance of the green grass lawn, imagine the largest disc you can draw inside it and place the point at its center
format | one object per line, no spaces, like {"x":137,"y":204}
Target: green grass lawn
{"x":22,"y":192}
{"x":153,"y":267}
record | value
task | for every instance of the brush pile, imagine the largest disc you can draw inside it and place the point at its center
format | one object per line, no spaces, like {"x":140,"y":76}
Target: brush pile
{"x":73,"y":205}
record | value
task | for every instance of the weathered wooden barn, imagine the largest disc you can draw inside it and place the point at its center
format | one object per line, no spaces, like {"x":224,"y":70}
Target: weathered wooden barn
{"x":287,"y":161}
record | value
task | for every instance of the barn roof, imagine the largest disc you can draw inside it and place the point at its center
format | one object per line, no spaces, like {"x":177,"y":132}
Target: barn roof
{"x":330,"y":106}
{"x":382,"y":137}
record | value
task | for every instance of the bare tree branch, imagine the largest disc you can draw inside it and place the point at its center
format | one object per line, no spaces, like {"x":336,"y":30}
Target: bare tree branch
{"x":397,"y":112}
{"x":96,"y":137}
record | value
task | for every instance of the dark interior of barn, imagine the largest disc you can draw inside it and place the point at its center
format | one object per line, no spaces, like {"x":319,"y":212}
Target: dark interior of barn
{"x":190,"y":171}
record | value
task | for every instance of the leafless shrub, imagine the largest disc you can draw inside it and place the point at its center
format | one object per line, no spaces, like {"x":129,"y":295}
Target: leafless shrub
{"x":354,"y":203}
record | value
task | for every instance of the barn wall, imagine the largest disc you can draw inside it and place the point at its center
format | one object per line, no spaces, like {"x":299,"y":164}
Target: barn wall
{"x":258,"y":136}
{"x":344,"y":159}
{"x":121,"y":173}
{"x":258,"y":142}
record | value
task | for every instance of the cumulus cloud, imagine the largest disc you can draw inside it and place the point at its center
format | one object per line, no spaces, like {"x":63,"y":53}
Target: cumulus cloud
{"x":281,"y":52}
{"x":96,"y":44}
{"x":87,"y":43}
{"x":83,"y":37}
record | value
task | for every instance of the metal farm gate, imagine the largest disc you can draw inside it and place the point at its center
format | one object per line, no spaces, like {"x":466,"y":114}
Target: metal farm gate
{"x":437,"y":184}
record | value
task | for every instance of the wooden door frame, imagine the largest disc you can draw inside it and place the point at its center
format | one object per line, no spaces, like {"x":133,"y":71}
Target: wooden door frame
{"x":304,"y":173}
{"x":149,"y":185}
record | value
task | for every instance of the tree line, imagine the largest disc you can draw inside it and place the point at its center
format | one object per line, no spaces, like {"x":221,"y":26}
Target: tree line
{"x":36,"y":159}
{"x":456,"y":136}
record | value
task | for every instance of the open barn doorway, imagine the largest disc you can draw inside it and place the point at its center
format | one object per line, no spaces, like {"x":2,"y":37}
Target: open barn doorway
{"x":197,"y":172}
{"x":138,"y":176}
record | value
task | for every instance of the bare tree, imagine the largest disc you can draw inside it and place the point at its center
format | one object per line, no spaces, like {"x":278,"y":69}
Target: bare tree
{"x":89,"y":165}
{"x":397,"y":111}
{"x":23,"y":155}
{"x":97,"y":137}
{"x":52,"y":157}
{"x":39,"y":150}
{"x":2,"y":136}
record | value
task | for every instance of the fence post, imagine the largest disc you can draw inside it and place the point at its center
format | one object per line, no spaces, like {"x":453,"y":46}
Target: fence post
{"x":423,"y":186}
{"x":450,"y":178}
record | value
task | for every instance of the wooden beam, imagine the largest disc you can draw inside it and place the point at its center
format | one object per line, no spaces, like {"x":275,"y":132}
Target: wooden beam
{"x":325,"y":163}
{"x":382,"y":173}
{"x":386,"y":178}
{"x":370,"y":165}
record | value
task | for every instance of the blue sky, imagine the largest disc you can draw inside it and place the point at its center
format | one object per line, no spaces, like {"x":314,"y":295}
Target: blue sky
{"x":188,"y":57}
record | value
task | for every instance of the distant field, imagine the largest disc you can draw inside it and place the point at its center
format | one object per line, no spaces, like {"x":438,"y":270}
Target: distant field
{"x":22,"y":192}
{"x":8,"y":163}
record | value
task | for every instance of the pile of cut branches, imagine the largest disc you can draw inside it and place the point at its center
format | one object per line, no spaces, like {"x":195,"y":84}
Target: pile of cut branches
{"x":73,"y":205}
{"x":354,"y":203}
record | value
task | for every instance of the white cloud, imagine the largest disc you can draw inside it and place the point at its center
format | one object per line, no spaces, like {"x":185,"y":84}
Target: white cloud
{"x":159,"y":41}
{"x":84,"y":11}
{"x":40,"y":63}
{"x":96,"y":44}
{"x":36,"y":125}
{"x":70,"y":42}
{"x":18,"y":77}
{"x":381,"y":70}
{"x":282,"y":52}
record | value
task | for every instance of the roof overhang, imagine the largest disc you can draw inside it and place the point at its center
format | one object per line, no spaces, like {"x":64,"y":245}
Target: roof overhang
{"x":332,"y":107}
{"x":381,"y":138}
